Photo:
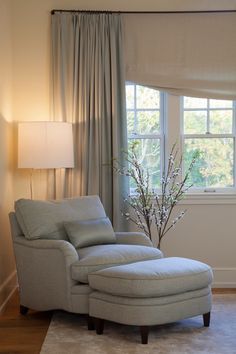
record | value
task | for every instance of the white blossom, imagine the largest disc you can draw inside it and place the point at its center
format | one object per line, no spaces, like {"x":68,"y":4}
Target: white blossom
{"x":141,"y":203}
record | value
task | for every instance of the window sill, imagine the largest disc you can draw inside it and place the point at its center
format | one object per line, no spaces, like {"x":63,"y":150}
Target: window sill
{"x":209,"y":198}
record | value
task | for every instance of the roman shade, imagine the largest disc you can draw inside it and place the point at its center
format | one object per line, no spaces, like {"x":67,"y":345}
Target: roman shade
{"x":185,"y":54}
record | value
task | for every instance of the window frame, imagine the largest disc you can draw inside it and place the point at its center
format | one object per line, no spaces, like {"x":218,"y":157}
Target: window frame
{"x":208,"y":135}
{"x":155,"y":136}
{"x":171,"y":131}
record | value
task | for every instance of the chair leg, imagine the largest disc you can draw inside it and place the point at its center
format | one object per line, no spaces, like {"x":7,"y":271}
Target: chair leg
{"x":90,"y":323}
{"x":23,"y":310}
{"x":99,"y":325}
{"x":206,"y":319}
{"x":144,"y":330}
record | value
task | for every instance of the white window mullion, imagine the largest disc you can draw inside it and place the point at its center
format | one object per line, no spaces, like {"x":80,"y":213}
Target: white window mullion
{"x":207,"y":136}
{"x":163,"y":140}
{"x":234,"y":137}
{"x":208,"y":118}
{"x":173,"y":130}
{"x":135,"y":110}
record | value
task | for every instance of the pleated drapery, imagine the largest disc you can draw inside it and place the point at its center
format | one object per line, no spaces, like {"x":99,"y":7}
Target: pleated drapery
{"x":89,"y":91}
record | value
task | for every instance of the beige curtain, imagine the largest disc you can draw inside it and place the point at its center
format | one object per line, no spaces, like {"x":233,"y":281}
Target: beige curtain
{"x":89,"y":91}
{"x":186,"y":54}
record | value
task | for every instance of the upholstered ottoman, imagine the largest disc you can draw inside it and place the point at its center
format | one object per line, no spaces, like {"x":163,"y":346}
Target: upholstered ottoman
{"x":151,"y":292}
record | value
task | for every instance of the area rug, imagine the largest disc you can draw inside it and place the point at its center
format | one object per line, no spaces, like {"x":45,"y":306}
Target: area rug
{"x":68,"y":334}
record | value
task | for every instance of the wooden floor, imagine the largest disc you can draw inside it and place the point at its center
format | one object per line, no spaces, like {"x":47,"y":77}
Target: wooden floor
{"x":22,"y":334}
{"x":25,"y":334}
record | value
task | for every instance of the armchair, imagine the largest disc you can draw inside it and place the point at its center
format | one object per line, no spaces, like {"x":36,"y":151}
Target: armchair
{"x":52,"y":273}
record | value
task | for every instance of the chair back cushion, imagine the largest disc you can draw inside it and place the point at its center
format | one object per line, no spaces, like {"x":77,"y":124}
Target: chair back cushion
{"x":45,"y":219}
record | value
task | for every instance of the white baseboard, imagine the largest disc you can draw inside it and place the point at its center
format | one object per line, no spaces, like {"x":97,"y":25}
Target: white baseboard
{"x":224,"y":278}
{"x":7,"y":289}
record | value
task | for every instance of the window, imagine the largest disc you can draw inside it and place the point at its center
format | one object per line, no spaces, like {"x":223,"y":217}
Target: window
{"x":156,"y":120}
{"x":145,"y":126}
{"x":209,"y":129}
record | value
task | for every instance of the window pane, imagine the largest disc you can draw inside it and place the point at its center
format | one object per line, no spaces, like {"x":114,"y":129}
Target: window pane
{"x":193,"y":102}
{"x":148,"y":152}
{"x":129,"y":96}
{"x":147,"y":98}
{"x":221,"y":104}
{"x":148,"y":122}
{"x":130,"y":122}
{"x":221,"y":122}
{"x":214,"y":166}
{"x":195,"y":122}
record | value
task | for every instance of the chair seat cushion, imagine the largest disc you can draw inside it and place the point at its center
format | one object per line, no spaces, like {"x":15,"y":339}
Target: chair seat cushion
{"x":99,"y":257}
{"x":153,"y":278}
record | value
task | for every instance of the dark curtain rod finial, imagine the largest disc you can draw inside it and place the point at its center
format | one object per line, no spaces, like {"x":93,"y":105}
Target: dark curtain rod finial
{"x":144,"y":12}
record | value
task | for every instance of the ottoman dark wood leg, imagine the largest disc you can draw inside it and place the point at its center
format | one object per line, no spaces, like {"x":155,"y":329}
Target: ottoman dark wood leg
{"x":206,"y":319}
{"x":144,"y":334}
{"x":90,"y":323}
{"x":23,"y":310}
{"x":99,"y":324}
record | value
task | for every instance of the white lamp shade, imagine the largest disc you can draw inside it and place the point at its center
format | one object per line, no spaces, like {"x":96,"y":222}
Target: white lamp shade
{"x":45,"y":145}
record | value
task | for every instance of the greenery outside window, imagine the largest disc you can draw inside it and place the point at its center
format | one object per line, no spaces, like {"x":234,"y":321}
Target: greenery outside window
{"x":145,"y":126}
{"x":209,"y":128}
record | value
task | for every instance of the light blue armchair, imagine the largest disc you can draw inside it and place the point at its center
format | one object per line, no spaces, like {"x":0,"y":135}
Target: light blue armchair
{"x":52,"y":273}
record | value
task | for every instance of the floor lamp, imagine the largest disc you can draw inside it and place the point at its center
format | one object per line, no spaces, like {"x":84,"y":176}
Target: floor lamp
{"x":45,"y":145}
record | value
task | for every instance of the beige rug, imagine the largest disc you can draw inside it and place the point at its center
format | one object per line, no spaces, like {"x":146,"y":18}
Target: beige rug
{"x":68,"y":334}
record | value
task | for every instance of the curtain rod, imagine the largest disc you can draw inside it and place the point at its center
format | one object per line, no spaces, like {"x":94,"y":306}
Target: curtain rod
{"x":145,"y":12}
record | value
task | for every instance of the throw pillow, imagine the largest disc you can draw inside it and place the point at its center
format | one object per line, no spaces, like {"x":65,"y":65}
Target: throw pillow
{"x":90,"y":232}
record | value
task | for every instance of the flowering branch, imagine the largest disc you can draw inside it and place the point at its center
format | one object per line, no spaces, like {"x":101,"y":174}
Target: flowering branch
{"x":146,"y":205}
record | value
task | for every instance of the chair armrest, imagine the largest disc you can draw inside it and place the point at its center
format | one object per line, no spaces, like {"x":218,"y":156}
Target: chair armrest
{"x":44,"y":273}
{"x":133,"y":238}
{"x":66,"y":248}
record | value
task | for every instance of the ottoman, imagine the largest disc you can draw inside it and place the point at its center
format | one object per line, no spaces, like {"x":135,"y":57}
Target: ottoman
{"x":150,"y":293}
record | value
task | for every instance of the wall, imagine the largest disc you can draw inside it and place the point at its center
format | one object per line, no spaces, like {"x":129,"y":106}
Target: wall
{"x":31,"y":42}
{"x":7,"y":264}
{"x":207,"y":232}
